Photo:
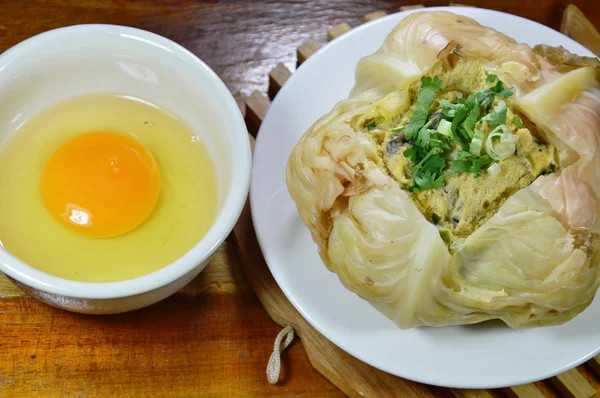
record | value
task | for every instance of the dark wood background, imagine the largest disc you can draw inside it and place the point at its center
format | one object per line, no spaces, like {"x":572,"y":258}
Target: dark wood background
{"x":214,"y":339}
{"x":241,"y":40}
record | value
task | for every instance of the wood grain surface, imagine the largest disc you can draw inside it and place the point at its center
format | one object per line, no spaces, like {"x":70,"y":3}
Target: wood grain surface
{"x":213,"y":338}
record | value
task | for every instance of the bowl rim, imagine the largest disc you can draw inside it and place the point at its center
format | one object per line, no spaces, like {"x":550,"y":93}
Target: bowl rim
{"x":232,"y":204}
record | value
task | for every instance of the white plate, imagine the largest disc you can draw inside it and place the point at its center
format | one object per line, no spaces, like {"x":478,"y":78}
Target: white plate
{"x":479,"y":356}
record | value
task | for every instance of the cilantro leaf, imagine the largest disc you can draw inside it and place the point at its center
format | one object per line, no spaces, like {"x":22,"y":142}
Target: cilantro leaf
{"x":481,"y":161}
{"x":460,"y":113}
{"x":448,"y":109}
{"x":425,"y":98}
{"x":432,"y":153}
{"x":498,"y":87}
{"x":505,"y":93}
{"x":498,"y":116}
{"x":463,"y":166}
{"x":468,"y":163}
{"x":439,"y":140}
{"x":428,"y":172}
{"x":518,"y":122}
{"x":500,"y":90}
{"x":471,"y":120}
{"x":435,"y":164}
{"x":462,"y":155}
{"x":427,"y":180}
{"x":414,"y":153}
{"x":424,"y":133}
{"x":485,"y":97}
{"x":423,"y":137}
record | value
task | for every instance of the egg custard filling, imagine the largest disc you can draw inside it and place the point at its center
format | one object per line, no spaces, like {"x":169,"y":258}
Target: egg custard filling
{"x":456,"y":143}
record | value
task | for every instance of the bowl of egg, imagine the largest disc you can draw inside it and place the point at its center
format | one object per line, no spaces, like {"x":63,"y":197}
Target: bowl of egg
{"x":124,"y":164}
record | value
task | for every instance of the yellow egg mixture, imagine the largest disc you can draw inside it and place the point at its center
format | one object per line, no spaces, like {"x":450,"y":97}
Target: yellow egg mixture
{"x":104,"y":188}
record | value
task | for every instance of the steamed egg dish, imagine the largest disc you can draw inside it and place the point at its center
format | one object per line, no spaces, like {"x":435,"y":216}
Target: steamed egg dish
{"x":104,"y":188}
{"x":480,"y":176}
{"x":458,"y":182}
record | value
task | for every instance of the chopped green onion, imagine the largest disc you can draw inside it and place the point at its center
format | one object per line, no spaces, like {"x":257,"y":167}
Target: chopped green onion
{"x":494,"y":169}
{"x":507,"y":145}
{"x":476,"y":143}
{"x":468,"y":130}
{"x":445,"y":128}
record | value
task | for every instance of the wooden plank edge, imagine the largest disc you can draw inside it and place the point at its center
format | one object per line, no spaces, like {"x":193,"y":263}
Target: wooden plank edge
{"x":277,"y":78}
{"x":256,"y":107}
{"x":524,"y":391}
{"x":578,"y":27}
{"x":305,"y":50}
{"x":463,"y":393}
{"x":573,"y":384}
{"x":9,"y":289}
{"x":411,"y":7}
{"x":594,"y":364}
{"x":338,"y":30}
{"x":374,"y":15}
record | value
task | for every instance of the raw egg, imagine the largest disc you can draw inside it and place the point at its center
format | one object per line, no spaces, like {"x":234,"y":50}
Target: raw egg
{"x":101,"y":184}
{"x":104,"y":188}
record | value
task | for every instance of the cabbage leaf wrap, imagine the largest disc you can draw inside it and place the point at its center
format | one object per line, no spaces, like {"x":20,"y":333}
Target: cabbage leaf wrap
{"x":533,"y":263}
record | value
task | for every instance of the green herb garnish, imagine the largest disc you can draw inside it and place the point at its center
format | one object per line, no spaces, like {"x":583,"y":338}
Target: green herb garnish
{"x":491,"y":78}
{"x":469,"y":123}
{"x":427,"y":173}
{"x":500,"y":91}
{"x":371,"y":125}
{"x":427,"y":180}
{"x":467,"y":163}
{"x":429,"y":143}
{"x":445,"y":128}
{"x":498,"y":116}
{"x":425,"y":98}
{"x":458,"y":135}
{"x":485,"y":97}
{"x":518,"y":122}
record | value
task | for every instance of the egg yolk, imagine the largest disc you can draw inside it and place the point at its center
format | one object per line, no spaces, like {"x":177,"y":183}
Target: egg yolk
{"x":101,"y":184}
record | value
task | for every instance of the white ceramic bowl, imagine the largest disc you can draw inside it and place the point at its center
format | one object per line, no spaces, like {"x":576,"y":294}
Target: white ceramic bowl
{"x":88,"y":59}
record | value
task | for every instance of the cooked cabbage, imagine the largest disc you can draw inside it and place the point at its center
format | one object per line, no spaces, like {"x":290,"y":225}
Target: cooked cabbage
{"x":532,"y":260}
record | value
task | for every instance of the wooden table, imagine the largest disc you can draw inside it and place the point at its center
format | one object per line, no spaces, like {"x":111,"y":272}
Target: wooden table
{"x":213,"y":338}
